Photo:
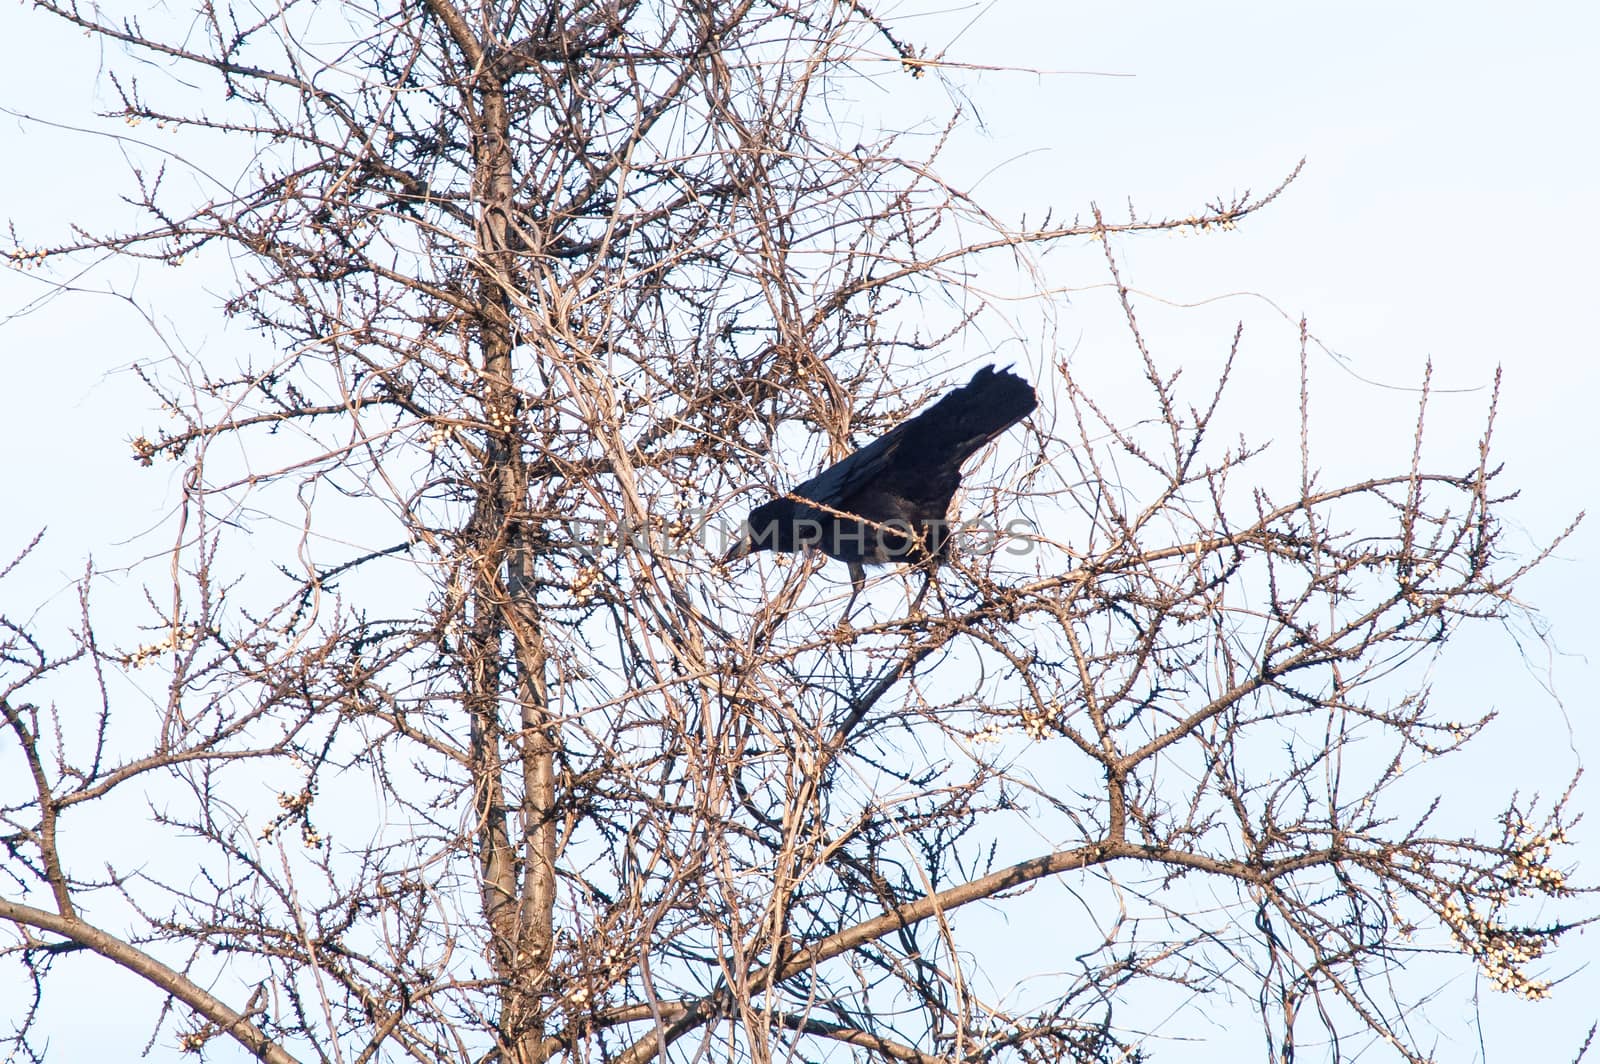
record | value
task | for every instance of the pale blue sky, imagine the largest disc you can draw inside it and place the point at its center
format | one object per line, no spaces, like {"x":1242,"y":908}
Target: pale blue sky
{"x":1447,"y":211}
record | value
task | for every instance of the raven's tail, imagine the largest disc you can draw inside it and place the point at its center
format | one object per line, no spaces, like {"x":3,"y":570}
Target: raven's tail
{"x":972,"y":415}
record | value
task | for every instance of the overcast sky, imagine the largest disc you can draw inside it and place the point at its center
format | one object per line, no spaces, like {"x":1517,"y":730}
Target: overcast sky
{"x":1447,"y":211}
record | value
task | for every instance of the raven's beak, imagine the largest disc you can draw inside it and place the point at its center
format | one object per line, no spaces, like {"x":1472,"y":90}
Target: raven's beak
{"x":740,"y":548}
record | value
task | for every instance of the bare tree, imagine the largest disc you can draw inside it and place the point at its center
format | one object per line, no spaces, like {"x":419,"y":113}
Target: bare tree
{"x":535,"y":293}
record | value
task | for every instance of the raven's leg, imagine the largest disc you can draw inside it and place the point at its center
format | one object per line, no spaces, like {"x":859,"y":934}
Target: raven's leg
{"x":858,"y":580}
{"x":916,"y":603}
{"x":928,"y":580}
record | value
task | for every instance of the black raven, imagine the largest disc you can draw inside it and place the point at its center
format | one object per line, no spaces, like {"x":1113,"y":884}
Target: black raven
{"x":889,"y":501}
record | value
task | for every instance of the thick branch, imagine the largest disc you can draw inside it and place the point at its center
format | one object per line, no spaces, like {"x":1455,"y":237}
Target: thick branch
{"x":180,"y":986}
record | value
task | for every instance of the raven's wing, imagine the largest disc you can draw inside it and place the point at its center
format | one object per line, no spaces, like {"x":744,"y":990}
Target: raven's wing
{"x":852,"y":472}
